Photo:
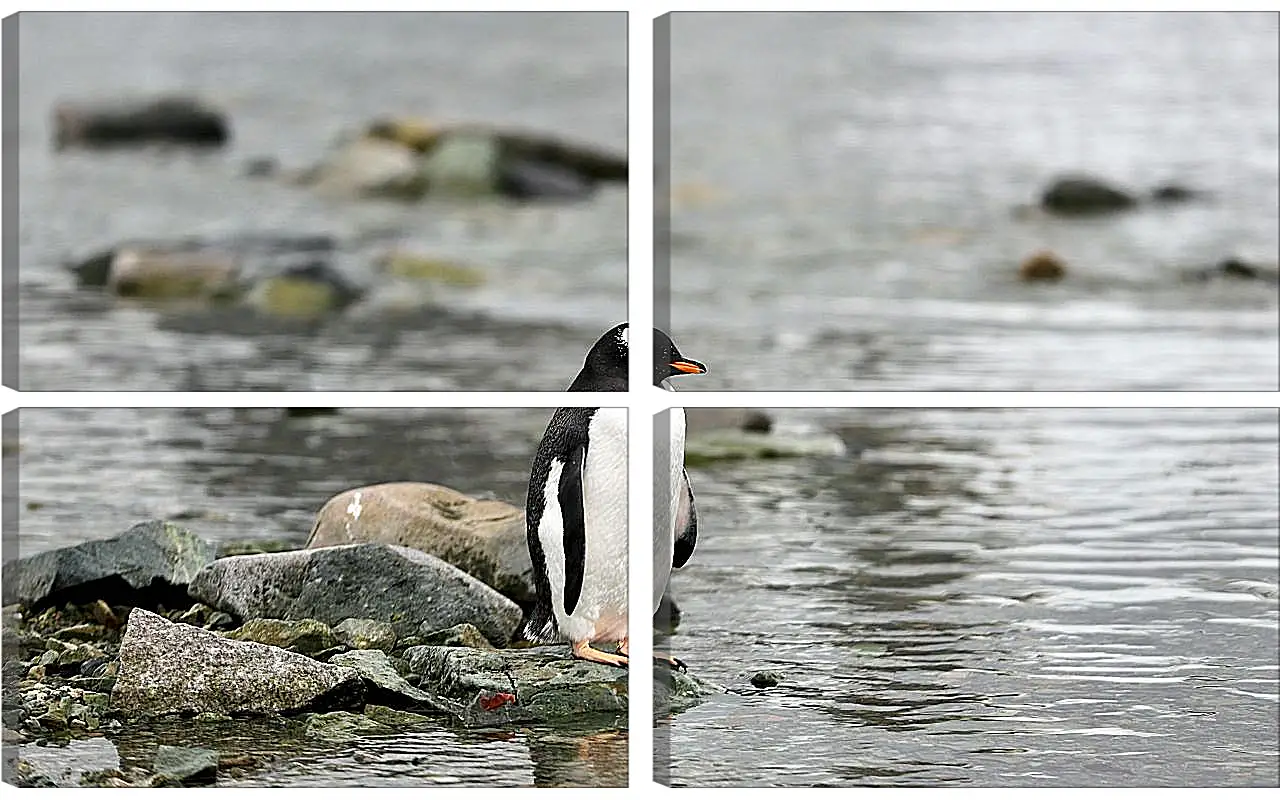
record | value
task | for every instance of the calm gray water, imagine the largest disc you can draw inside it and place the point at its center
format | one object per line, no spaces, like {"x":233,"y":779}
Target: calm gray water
{"x":991,"y":598}
{"x":291,"y":84}
{"x":844,"y":187}
{"x":248,"y":474}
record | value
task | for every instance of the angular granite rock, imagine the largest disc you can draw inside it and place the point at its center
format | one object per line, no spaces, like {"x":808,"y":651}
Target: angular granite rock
{"x":154,"y":557}
{"x":483,"y":538}
{"x":525,"y":685}
{"x":398,"y":585}
{"x":168,"y":668}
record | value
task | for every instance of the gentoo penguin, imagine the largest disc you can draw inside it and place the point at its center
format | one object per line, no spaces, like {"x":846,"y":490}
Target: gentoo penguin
{"x":576,"y":512}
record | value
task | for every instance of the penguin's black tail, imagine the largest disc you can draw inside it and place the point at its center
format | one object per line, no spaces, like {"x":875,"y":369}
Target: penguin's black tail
{"x":540,"y":628}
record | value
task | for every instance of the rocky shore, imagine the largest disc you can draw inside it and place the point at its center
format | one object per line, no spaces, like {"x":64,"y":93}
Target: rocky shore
{"x":354,"y":635}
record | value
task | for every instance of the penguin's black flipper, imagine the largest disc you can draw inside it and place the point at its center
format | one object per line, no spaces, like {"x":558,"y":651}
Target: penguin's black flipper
{"x":573,"y":513}
{"x":687,"y":534}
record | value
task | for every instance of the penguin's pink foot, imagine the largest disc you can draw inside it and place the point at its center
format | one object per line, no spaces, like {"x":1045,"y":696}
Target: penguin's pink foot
{"x":586,"y":652}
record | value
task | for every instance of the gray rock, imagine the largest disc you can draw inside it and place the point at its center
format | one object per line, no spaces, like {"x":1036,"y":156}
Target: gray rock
{"x":464,"y":635}
{"x":384,"y":684}
{"x":526,"y":685}
{"x":339,"y":726}
{"x":398,"y":585}
{"x":168,"y":668}
{"x":150,"y":560}
{"x":1082,"y":194}
{"x":306,"y":636}
{"x":186,"y":765}
{"x":366,"y":634}
{"x":483,"y":538}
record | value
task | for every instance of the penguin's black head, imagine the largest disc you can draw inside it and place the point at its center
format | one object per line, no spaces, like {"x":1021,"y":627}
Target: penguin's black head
{"x":668,"y":362}
{"x":605,"y":369}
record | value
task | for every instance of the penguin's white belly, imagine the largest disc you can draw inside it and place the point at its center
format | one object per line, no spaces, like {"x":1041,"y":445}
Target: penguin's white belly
{"x":668,"y":515}
{"x":601,"y":612}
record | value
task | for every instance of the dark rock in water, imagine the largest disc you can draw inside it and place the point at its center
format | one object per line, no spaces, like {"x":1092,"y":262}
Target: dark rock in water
{"x":1237,"y":269}
{"x":757,"y":422}
{"x":527,"y":685}
{"x":483,"y":538}
{"x":168,"y":120}
{"x":1042,"y":266}
{"x":464,"y":635}
{"x":169,"y":668}
{"x":186,"y":765}
{"x":306,"y":636}
{"x":766,"y":680}
{"x":366,"y":634}
{"x":1169,"y":193}
{"x":150,"y":563}
{"x":705,"y":420}
{"x":1082,"y":194}
{"x":385,"y":685}
{"x":530,"y":180}
{"x":398,"y":585}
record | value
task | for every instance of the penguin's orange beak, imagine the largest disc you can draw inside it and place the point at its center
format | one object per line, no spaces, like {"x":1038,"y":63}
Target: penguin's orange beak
{"x":689,"y":367}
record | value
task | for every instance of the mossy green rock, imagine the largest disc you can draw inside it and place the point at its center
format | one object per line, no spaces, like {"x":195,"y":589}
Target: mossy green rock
{"x":307,"y":636}
{"x":394,"y":717}
{"x":366,"y":634}
{"x":534,"y":684}
{"x":727,"y":445}
{"x":464,"y":635}
{"x":339,"y":726}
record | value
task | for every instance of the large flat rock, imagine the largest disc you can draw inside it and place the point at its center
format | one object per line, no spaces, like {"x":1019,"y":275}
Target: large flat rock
{"x":152,"y":558}
{"x":170,"y":668}
{"x":398,"y":585}
{"x":483,"y":538}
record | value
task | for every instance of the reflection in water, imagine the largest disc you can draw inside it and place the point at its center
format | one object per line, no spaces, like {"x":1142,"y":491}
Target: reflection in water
{"x":261,"y":473}
{"x":1002,"y":597}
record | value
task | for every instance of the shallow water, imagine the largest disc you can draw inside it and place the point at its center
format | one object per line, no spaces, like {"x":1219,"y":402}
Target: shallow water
{"x":291,"y":84}
{"x":990,"y":598}
{"x":843,"y":199}
{"x":253,"y":474}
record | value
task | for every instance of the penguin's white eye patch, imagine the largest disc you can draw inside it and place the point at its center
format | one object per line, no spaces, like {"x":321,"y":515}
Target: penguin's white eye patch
{"x":624,"y":336}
